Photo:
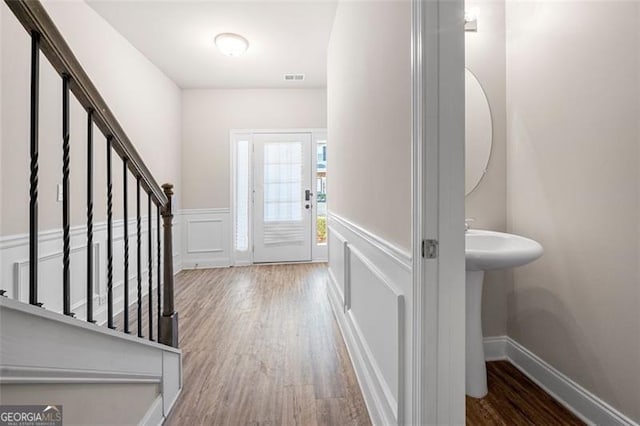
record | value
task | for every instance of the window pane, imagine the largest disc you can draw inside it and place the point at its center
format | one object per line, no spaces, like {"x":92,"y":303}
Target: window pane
{"x":242,"y":196}
{"x":321,"y":193}
{"x":282,"y":181}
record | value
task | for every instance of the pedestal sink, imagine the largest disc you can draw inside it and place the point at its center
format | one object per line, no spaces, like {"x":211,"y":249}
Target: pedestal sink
{"x":484,"y":251}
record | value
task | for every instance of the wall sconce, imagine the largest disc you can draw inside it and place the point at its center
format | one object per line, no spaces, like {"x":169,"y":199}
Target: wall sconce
{"x":471,"y":20}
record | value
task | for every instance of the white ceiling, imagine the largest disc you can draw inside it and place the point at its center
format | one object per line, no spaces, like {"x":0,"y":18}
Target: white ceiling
{"x":177,"y":36}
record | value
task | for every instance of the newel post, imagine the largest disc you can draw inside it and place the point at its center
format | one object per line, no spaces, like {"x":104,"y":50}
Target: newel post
{"x":169,"y":326}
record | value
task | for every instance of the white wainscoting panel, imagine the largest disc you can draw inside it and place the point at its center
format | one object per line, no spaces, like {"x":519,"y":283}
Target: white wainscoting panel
{"x":584,"y":404}
{"x":370,"y":289}
{"x":337,"y":251}
{"x":14,"y":261}
{"x":206,"y":239}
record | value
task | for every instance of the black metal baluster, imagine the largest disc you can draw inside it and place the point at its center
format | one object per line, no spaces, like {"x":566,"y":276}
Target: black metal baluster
{"x":125,"y":163}
{"x":109,"y":238}
{"x":150,"y":267}
{"x":33,"y":179}
{"x":139,"y":259}
{"x":90,"y":216}
{"x":159,"y":272}
{"x":66,"y":237}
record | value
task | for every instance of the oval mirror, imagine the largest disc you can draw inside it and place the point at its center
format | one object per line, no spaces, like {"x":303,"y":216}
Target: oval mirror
{"x":478,"y":132}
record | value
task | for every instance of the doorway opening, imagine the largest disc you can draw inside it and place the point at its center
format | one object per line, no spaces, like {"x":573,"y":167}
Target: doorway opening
{"x":278,"y":196}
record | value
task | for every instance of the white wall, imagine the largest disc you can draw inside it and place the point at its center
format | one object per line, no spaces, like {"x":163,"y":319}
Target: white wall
{"x":573,"y":184}
{"x":369,"y":125}
{"x":487,"y":204}
{"x":144,"y":100}
{"x":209,"y":115}
{"x":369,"y":103}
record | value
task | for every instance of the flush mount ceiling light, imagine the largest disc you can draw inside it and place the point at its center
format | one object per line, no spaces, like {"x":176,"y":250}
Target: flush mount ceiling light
{"x":231,"y":44}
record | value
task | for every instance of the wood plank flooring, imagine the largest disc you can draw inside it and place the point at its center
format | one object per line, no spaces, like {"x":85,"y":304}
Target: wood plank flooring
{"x":261,"y":346}
{"x":513,"y":399}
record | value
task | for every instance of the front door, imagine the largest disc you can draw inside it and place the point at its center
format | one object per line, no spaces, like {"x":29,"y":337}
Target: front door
{"x":282,"y":197}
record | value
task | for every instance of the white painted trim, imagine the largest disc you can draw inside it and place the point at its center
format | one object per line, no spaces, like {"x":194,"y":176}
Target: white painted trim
{"x":175,"y":400}
{"x":34,"y":343}
{"x":495,"y":348}
{"x":23,"y":264}
{"x":216,"y":254}
{"x":6,"y":303}
{"x":223,"y":262}
{"x":204,"y":250}
{"x":588,"y":407}
{"x":319,"y":252}
{"x":385,"y":406}
{"x":14,"y":251}
{"x":395,"y":406}
{"x":402,"y":257}
{"x":16,"y":374}
{"x":268,"y":131}
{"x":239,"y":258}
{"x":190,"y":212}
{"x":153,"y":416}
{"x":14,"y":240}
{"x":347,"y":275}
{"x":378,"y":412}
{"x":438,"y":303}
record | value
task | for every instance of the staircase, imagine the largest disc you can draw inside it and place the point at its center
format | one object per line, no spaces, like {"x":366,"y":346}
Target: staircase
{"x":106,"y":361}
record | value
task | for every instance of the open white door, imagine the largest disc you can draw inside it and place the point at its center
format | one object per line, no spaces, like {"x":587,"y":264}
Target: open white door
{"x":282,"y":197}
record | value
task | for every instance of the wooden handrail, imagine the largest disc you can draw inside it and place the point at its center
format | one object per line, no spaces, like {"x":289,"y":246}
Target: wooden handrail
{"x":33,"y":16}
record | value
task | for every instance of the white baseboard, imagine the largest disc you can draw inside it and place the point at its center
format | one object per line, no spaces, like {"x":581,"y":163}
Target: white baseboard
{"x":495,"y":348}
{"x":153,"y":416}
{"x":206,"y":263}
{"x":584,"y":404}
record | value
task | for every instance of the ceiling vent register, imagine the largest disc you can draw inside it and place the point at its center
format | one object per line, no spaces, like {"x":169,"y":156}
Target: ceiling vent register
{"x":293,"y":77}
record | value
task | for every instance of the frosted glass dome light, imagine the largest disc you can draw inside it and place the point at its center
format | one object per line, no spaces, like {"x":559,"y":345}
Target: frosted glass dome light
{"x":231,"y":44}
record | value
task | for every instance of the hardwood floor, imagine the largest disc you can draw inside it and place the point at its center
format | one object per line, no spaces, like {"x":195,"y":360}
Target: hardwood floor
{"x":513,"y":399}
{"x":261,"y":346}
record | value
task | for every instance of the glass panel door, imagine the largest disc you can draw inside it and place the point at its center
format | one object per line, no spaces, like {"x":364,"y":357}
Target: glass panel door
{"x":283,"y":203}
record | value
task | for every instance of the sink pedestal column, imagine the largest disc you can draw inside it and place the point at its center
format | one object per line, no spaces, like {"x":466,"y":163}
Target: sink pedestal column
{"x":476,"y":370}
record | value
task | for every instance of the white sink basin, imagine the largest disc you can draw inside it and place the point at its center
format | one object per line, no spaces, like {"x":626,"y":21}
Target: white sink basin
{"x":487,"y":250}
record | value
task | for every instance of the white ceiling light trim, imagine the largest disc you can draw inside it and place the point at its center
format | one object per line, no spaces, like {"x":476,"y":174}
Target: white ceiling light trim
{"x":231,"y":44}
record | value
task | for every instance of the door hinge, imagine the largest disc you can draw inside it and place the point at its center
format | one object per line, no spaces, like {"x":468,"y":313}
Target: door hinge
{"x":429,"y":249}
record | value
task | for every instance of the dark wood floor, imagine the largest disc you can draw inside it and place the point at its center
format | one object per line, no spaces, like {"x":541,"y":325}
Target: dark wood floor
{"x":261,"y":346}
{"x":513,"y":399}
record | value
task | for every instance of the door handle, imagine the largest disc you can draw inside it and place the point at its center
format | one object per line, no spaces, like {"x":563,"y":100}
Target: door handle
{"x":307,"y":195}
